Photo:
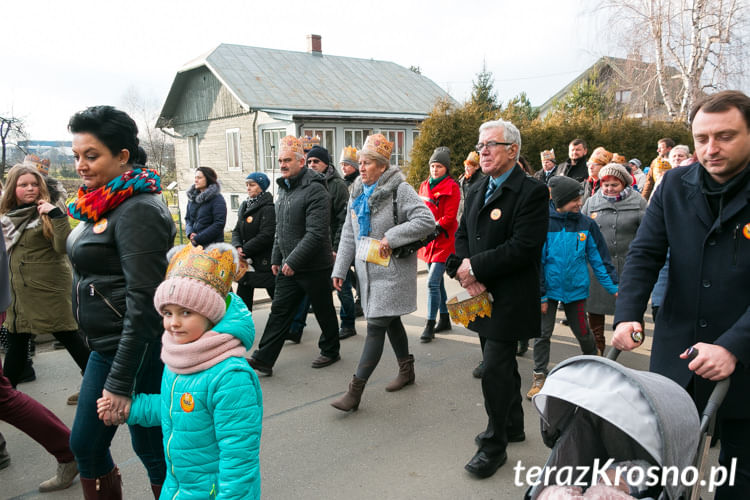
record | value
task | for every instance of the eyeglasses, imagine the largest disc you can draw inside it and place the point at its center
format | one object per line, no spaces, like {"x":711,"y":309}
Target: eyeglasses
{"x":313,"y":160}
{"x":491,"y":144}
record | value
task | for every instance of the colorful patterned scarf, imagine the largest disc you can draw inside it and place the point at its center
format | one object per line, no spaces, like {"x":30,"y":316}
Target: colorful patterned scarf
{"x":92,"y":205}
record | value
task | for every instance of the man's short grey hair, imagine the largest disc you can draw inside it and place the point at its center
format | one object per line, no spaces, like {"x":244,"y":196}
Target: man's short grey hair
{"x":510,"y":132}
{"x":299,"y":156}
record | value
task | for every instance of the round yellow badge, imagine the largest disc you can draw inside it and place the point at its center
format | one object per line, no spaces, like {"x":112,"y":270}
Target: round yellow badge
{"x":594,"y":215}
{"x":249,"y":219}
{"x":582,"y":236}
{"x":496,"y":214}
{"x":186,"y":402}
{"x":746,"y":231}
{"x":100,"y":226}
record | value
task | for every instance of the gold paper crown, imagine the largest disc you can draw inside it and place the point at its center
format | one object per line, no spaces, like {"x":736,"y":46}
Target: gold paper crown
{"x":349,"y":155}
{"x":472,"y":159}
{"x":548,"y":154}
{"x":290,"y":144}
{"x":38,"y":163}
{"x":215,"y":267}
{"x":466,"y":311}
{"x":601,"y":156}
{"x":308,"y":142}
{"x":378,"y":144}
{"x":616,"y":158}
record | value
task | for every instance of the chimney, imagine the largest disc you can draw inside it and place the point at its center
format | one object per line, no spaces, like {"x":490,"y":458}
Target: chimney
{"x":314,"y":45}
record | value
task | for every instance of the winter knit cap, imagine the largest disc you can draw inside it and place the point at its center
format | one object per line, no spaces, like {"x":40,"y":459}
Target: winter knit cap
{"x":260,"y":179}
{"x":563,"y":189}
{"x":199,"y":279}
{"x":349,"y":156}
{"x":636,"y":162}
{"x":616,"y":171}
{"x":472,"y":160}
{"x":441,"y":155}
{"x":41,"y":164}
{"x":601,"y":156}
{"x":319,"y":153}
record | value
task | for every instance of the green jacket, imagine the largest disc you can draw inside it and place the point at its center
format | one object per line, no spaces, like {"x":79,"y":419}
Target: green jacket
{"x":41,"y":281}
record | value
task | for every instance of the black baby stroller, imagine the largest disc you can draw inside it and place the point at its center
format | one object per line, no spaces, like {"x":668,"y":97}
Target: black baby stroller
{"x":593,"y":409}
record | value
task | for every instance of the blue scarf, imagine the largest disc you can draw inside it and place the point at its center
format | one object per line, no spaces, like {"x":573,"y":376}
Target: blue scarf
{"x":362,"y":208}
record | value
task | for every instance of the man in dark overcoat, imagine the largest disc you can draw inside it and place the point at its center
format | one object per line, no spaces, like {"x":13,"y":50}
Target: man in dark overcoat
{"x":499,"y":242}
{"x":702,"y":213}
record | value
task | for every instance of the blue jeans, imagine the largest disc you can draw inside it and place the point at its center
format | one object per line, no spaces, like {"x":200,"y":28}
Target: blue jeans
{"x":90,"y":439}
{"x":347,"y":312}
{"x":436,"y":295}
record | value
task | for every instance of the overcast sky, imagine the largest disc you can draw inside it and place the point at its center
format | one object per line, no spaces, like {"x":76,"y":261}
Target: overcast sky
{"x":60,"y":56}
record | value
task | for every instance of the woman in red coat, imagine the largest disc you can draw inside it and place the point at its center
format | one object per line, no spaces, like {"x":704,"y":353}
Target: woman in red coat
{"x":443,"y":195}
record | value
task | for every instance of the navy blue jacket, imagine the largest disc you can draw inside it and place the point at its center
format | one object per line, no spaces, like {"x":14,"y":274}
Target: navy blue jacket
{"x":206,"y":215}
{"x":708,"y":295}
{"x":574,"y":241}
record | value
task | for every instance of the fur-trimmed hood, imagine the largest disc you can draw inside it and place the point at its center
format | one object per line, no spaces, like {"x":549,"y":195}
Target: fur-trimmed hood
{"x":201,"y":197}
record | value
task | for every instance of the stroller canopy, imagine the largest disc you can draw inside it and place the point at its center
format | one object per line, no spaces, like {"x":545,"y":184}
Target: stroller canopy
{"x":651,"y":409}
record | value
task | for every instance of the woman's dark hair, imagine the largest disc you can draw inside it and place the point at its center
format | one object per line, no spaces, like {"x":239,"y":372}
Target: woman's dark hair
{"x":210,"y":175}
{"x":114,"y":128}
{"x":142,"y":156}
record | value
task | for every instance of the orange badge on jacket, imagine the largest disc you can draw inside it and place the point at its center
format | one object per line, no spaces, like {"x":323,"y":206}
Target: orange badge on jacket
{"x":496,"y":214}
{"x":100,"y":226}
{"x":249,"y":219}
{"x":746,"y":231}
{"x":187,"y":403}
{"x":582,"y":236}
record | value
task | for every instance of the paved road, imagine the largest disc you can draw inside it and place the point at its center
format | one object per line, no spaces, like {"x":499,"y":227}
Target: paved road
{"x":409,"y":444}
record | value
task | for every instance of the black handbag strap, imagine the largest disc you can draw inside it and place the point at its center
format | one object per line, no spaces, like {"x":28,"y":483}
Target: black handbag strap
{"x":395,"y":206}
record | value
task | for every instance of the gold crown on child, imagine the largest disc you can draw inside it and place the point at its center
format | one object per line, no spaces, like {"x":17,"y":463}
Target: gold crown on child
{"x":215,"y":267}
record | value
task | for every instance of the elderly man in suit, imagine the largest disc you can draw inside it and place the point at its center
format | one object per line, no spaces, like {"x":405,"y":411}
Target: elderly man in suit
{"x":707,"y":303}
{"x":498,"y":244}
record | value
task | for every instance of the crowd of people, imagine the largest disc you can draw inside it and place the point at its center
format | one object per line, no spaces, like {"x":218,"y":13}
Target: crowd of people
{"x":159,"y":335}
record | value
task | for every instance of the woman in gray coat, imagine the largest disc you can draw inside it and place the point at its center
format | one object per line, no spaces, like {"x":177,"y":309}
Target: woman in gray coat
{"x":388,"y":291}
{"x":618,"y":210}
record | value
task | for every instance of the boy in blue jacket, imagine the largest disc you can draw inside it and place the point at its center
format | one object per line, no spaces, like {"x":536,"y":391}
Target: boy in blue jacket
{"x":210,"y":407}
{"x":573,"y":241}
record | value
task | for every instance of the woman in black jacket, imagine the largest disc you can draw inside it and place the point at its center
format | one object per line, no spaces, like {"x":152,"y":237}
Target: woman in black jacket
{"x":119,"y":257}
{"x":206,"y":209}
{"x":253,"y":237}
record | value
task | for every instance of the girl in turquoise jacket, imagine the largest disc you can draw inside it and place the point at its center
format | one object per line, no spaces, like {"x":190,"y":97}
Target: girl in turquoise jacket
{"x":210,"y":407}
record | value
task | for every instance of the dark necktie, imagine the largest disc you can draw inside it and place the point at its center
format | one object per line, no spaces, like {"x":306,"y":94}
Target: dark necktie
{"x":491,"y":186}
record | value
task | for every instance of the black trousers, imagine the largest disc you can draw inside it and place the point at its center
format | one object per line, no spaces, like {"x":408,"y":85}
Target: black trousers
{"x":18,"y":349}
{"x":246,"y":292}
{"x":501,"y":386}
{"x":287,"y":296}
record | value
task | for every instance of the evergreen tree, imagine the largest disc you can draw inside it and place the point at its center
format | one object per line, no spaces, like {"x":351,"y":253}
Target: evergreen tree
{"x":483,"y":95}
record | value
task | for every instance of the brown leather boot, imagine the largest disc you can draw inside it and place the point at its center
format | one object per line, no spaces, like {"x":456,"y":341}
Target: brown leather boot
{"x":156,"y":488}
{"x":405,"y":374}
{"x":350,"y":400}
{"x":106,"y":487}
{"x":596,"y":323}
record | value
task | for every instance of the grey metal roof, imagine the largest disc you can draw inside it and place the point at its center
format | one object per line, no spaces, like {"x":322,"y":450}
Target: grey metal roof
{"x":300,"y":81}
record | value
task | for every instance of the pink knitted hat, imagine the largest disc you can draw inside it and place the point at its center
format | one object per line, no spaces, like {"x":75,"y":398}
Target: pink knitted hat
{"x":199,"y":279}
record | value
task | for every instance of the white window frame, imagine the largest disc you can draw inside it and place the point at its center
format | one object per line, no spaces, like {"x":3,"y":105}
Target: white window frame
{"x":194,"y":160}
{"x":234,"y":201}
{"x":356,"y":136}
{"x":324,"y":134}
{"x":234,"y":150}
{"x":398,"y":155}
{"x":270,"y":155}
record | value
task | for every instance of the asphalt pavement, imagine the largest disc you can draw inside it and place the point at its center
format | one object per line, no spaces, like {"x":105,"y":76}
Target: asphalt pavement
{"x":408,"y":444}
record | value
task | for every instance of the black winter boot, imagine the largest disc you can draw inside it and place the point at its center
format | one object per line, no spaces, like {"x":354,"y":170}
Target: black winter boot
{"x":429,"y":332}
{"x":444,"y":324}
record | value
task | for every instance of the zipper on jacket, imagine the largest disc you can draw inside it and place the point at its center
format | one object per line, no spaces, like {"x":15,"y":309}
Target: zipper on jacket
{"x":169,"y":441}
{"x":736,"y":243}
{"x":93,"y":291}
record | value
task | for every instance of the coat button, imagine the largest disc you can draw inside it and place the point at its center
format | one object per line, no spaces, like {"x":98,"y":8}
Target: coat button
{"x":479,"y":237}
{"x":702,"y":323}
{"x":712,"y":242}
{"x":706,"y":284}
